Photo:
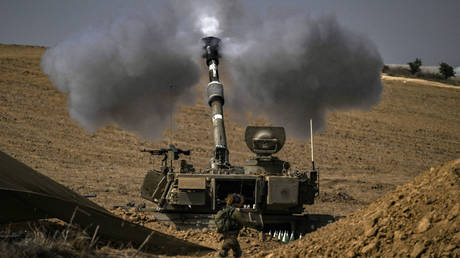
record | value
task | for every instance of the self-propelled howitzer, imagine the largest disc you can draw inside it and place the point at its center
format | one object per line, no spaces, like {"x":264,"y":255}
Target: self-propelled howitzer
{"x":274,"y":193}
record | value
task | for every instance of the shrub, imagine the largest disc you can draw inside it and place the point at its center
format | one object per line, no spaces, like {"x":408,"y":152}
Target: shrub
{"x":446,"y":70}
{"x":415,"y":66}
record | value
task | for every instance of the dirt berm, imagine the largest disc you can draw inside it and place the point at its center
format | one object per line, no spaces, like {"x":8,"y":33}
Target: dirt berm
{"x":418,"y":219}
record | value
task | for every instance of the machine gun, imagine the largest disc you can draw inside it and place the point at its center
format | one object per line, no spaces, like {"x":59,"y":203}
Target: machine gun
{"x":175,"y":152}
{"x":167,"y":171}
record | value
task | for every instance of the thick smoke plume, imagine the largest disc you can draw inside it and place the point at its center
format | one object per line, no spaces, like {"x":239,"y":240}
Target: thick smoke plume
{"x":122,"y":72}
{"x":295,"y":68}
{"x":288,"y":66}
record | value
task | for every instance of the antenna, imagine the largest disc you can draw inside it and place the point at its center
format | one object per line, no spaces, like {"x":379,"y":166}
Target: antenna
{"x":311,"y":141}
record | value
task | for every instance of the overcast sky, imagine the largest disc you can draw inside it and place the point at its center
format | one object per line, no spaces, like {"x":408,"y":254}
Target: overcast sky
{"x":402,"y":30}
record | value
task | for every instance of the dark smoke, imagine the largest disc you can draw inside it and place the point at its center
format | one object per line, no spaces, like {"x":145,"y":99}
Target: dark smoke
{"x":286,"y":66}
{"x":295,"y":68}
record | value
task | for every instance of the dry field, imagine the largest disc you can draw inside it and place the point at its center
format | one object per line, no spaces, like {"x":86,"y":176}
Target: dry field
{"x":361,"y":155}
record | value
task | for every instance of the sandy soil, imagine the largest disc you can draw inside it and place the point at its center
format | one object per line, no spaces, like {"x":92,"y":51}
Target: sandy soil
{"x":418,"y":219}
{"x":361,"y":155}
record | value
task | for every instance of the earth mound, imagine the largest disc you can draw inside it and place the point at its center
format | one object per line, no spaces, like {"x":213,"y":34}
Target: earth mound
{"x":418,"y":219}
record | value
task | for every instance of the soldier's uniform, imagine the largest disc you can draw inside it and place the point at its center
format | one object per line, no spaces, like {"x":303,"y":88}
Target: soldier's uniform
{"x":231,"y":237}
{"x":233,"y":226}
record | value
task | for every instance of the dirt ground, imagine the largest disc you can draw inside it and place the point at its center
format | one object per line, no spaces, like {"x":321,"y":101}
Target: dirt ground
{"x":418,"y":219}
{"x":361,"y":154}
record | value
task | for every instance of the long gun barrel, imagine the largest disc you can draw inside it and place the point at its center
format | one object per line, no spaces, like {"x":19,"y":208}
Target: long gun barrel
{"x":215,"y":92}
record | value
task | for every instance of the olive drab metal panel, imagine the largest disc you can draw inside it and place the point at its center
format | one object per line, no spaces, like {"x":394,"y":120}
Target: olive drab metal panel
{"x":150,"y":184}
{"x":192,"y":183}
{"x":282,"y":190}
{"x":191,"y":198}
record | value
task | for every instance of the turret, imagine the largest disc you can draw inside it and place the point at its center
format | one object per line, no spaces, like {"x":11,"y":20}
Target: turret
{"x":215,"y":90}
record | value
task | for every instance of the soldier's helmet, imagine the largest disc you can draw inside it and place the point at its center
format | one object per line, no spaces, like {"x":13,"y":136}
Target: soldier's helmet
{"x":235,"y":199}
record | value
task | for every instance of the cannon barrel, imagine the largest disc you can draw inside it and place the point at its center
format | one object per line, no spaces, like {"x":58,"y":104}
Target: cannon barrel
{"x":215,"y":91}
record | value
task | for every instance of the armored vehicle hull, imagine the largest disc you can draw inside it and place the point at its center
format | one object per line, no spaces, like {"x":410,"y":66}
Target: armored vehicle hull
{"x":274,"y":193}
{"x":269,"y":199}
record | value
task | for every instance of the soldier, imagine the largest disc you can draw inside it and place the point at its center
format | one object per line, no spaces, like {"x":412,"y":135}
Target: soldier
{"x":229,"y":222}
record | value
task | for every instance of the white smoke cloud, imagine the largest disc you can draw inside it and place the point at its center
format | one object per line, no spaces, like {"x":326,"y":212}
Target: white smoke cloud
{"x":210,"y":26}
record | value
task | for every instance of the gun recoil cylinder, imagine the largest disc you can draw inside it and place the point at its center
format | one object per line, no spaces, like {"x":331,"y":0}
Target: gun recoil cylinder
{"x":215,"y":91}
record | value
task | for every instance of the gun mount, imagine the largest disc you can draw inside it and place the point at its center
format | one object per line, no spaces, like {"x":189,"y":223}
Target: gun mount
{"x":273,"y":191}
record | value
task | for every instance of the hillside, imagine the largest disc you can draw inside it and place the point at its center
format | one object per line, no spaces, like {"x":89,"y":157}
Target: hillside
{"x":418,"y":218}
{"x":361,"y":155}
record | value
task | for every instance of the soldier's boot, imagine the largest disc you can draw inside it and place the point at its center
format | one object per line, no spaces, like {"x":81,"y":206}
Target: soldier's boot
{"x":223,"y":253}
{"x":236,"y":249}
